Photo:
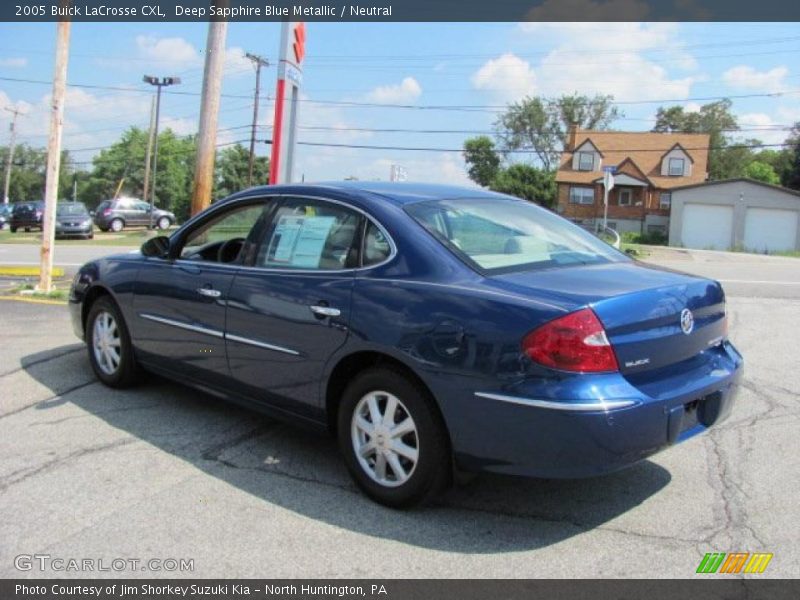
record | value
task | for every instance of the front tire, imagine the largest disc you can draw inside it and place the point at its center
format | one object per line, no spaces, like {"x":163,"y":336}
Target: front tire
{"x":109,"y":344}
{"x":163,"y":223}
{"x":13,"y":229}
{"x":393,"y":440}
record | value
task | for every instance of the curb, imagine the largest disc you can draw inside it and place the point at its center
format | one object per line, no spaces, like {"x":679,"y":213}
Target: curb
{"x":21,"y":271}
{"x":33,"y":300}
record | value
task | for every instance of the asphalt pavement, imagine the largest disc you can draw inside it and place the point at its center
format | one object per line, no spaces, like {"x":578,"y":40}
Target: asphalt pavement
{"x":162,"y":471}
{"x":69,"y":256}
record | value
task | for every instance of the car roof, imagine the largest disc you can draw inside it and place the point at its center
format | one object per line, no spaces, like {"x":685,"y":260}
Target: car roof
{"x":396,"y":192}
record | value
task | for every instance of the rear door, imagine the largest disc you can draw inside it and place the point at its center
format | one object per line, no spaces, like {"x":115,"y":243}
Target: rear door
{"x":140,"y":213}
{"x":180,"y":301}
{"x":288,"y":311}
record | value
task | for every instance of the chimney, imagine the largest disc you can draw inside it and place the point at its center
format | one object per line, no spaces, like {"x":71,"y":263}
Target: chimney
{"x":572,"y":137}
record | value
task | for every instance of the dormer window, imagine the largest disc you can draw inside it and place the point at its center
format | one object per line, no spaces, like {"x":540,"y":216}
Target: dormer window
{"x":586,"y":161}
{"x":677,"y":167}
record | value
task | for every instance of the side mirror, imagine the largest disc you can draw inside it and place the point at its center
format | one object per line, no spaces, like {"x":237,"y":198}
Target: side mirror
{"x":157,"y":247}
{"x":91,"y":213}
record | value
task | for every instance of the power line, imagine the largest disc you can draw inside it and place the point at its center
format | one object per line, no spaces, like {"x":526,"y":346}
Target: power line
{"x":528,"y":150}
{"x":492,"y":132}
{"x":454,"y":107}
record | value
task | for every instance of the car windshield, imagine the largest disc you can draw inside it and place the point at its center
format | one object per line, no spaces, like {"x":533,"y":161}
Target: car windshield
{"x":71,"y":209}
{"x":499,"y":235}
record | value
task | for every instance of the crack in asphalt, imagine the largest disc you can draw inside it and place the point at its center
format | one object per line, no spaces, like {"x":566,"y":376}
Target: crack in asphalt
{"x":99,"y":413}
{"x":730,"y":494}
{"x":60,"y":394}
{"x":21,"y":475}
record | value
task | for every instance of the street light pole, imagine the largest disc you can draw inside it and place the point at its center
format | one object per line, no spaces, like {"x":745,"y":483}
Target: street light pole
{"x":159,"y":83}
{"x":258,"y":62}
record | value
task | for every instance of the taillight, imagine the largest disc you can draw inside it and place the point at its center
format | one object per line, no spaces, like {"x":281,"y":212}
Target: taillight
{"x":575,"y":342}
{"x":106,"y":212}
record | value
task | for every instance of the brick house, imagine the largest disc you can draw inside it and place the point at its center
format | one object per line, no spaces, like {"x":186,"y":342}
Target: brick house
{"x":648,"y":166}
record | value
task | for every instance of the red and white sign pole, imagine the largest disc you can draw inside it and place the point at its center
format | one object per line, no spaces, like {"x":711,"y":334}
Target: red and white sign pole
{"x":287,"y":91}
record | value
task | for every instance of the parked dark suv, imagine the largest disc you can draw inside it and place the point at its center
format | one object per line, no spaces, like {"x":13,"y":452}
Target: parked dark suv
{"x":26,"y":215}
{"x":115,"y":215}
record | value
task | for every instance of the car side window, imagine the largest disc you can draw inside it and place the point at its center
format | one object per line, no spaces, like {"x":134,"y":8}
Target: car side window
{"x":376,"y":247}
{"x":224,"y":238}
{"x":311,"y":235}
{"x":142,"y":206}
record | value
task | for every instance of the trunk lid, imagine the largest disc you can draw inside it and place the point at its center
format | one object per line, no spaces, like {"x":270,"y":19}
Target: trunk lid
{"x":641,"y":308}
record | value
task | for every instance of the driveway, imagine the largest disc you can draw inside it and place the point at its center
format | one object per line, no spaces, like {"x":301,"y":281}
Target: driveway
{"x":162,"y":471}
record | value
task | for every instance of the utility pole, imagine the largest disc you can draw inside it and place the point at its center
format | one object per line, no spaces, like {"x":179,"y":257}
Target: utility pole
{"x":258,"y":62}
{"x":54,"y":155}
{"x":159,"y":83}
{"x":209,"y":113}
{"x":11,"y":147}
{"x":149,"y":152}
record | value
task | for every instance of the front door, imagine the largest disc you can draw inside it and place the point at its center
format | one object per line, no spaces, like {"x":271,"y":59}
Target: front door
{"x":288,"y":312}
{"x":180,"y":301}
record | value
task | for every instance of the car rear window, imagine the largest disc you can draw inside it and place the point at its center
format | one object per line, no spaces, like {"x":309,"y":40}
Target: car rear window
{"x":70,"y":209}
{"x":499,"y":235}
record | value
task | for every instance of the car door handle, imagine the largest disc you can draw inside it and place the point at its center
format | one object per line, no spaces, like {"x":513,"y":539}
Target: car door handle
{"x":209,"y":292}
{"x":325,"y":311}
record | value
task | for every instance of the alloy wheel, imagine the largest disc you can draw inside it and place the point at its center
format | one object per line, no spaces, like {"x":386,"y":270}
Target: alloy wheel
{"x":385,"y":439}
{"x":106,"y":343}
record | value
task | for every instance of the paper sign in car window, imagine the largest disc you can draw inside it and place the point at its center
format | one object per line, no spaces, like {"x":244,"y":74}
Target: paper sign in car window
{"x":284,"y":238}
{"x":311,"y":241}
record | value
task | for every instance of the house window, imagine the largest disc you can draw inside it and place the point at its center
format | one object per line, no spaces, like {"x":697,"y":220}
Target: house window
{"x":676,"y":167}
{"x":625,"y":197}
{"x":586,"y":161}
{"x":665,"y":200}
{"x":581,"y":195}
{"x":657,"y":229}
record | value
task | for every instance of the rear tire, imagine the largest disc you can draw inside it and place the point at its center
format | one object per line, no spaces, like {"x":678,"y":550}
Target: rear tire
{"x":394,"y":442}
{"x":116,"y":225}
{"x":13,"y":229}
{"x":27,"y":230}
{"x":109,"y":344}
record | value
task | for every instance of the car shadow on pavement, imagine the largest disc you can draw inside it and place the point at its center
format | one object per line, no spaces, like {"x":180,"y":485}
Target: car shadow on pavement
{"x":301,"y":471}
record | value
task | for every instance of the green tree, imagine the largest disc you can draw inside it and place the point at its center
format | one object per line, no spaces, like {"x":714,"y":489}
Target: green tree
{"x":540,"y":125}
{"x":231,"y":170}
{"x":28,"y":173}
{"x":793,"y":176}
{"x":727,"y":158}
{"x":482,"y":160}
{"x":124,"y":161}
{"x":527,"y":182}
{"x":761,"y":171}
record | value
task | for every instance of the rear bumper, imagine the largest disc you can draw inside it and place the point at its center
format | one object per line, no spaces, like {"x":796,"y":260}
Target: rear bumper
{"x":528,"y":429}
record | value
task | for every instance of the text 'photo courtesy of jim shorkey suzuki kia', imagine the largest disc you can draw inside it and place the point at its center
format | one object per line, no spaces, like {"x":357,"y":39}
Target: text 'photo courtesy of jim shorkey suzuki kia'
{"x":432,"y":329}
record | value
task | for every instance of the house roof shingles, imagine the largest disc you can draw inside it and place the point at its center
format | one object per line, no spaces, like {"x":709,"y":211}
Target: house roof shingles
{"x":645,"y":149}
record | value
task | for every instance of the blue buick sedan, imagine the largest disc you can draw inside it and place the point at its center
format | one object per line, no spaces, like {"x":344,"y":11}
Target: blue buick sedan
{"x":431,"y":329}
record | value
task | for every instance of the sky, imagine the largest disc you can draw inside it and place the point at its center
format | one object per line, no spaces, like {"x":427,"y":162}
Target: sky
{"x":470,"y":69}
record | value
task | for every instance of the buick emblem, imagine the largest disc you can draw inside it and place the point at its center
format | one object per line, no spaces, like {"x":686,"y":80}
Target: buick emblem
{"x":687,"y":321}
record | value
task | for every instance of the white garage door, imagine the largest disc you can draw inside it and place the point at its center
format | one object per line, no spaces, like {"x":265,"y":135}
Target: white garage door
{"x":707,"y":226}
{"x":770,"y":229}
